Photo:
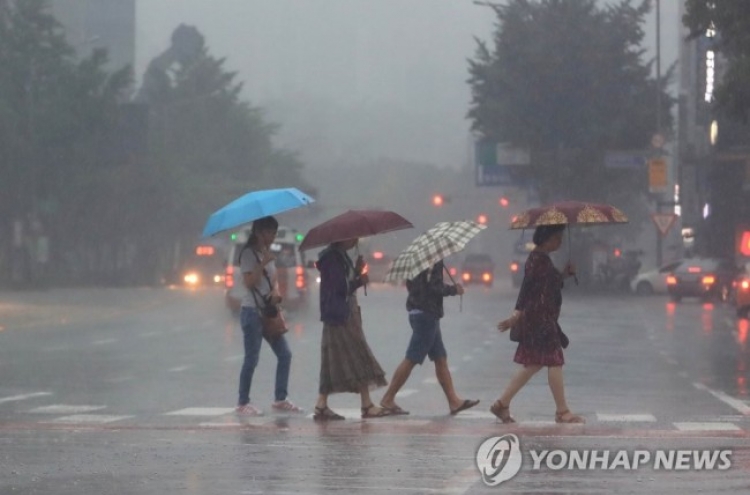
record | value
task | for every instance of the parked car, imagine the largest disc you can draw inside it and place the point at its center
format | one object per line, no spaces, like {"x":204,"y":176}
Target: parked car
{"x":705,"y":278}
{"x":654,"y":281}
{"x":742,"y":292}
{"x":290,"y":268}
{"x":478,"y":269}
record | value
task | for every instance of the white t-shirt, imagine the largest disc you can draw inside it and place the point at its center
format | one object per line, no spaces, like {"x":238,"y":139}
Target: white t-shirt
{"x":249,"y":263}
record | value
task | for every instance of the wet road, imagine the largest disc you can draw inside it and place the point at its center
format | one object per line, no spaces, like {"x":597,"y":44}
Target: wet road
{"x":131,"y":391}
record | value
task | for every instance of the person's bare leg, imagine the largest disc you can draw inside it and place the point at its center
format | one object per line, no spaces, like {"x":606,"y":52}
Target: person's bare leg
{"x":557,"y":386}
{"x":445,"y":379}
{"x":322,"y":401}
{"x":519,"y":379}
{"x":402,"y":373}
{"x":368,"y":407}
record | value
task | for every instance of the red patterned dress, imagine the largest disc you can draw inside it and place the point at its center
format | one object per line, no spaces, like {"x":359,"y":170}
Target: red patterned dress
{"x":540,"y":299}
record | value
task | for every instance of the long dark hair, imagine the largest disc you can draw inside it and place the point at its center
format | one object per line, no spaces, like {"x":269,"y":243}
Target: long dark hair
{"x":265,"y":223}
{"x":544,"y":232}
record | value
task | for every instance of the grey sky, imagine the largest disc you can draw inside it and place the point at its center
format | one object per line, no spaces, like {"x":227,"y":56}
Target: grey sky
{"x":350,"y":79}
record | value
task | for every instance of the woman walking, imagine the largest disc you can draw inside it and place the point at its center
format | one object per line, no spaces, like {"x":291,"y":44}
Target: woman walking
{"x":536,"y":313}
{"x":346,"y":361}
{"x":259,"y":278}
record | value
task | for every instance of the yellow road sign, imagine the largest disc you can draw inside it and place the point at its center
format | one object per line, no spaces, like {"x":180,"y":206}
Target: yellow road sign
{"x":657,"y":175}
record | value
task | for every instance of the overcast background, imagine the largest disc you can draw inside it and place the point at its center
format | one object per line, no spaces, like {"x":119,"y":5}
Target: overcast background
{"x":351,"y":81}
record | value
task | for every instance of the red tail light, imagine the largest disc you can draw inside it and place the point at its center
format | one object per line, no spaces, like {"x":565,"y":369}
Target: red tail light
{"x":671,"y":280}
{"x":514,"y":267}
{"x":486,"y":277}
{"x":745,"y":284}
{"x":300,"y":271}
{"x":452,"y":271}
{"x":709,"y":280}
{"x":466,"y":277}
{"x":229,"y":278}
{"x":300,"y":282}
{"x":694,"y":269}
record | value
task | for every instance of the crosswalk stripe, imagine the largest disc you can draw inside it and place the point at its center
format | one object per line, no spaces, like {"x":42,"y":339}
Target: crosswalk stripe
{"x":15,"y":398}
{"x":65,"y":409}
{"x":201,"y":411}
{"x":87,"y":419}
{"x":706,"y":426}
{"x":625,"y":418}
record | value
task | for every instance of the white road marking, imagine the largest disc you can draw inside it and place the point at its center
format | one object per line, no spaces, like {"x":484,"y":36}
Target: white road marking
{"x":707,"y":426}
{"x":120,"y":379}
{"x":177,"y":369}
{"x":201,"y":411}
{"x":238,"y":357}
{"x":104,"y":341}
{"x":149,"y":335}
{"x":430,"y":381}
{"x":736,"y":404}
{"x":65,"y":409}
{"x":14,"y":398}
{"x":625,"y":418}
{"x":88,"y":418}
{"x":475,"y":413}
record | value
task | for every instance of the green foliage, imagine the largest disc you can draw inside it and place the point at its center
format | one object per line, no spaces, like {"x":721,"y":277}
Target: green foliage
{"x":566,"y":80}
{"x":730,"y":19}
{"x":115,"y":213}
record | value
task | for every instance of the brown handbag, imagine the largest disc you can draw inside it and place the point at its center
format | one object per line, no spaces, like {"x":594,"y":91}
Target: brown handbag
{"x":273,"y":326}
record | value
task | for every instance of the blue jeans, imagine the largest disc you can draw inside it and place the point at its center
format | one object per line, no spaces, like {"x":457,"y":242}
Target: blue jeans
{"x":426,"y":339}
{"x":253,"y":336}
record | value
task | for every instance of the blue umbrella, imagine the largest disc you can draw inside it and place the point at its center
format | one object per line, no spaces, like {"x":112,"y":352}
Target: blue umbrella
{"x":254,"y":205}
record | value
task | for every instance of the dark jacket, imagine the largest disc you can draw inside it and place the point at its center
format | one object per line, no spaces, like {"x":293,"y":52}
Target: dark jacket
{"x":337,"y":282}
{"x":427,"y":290}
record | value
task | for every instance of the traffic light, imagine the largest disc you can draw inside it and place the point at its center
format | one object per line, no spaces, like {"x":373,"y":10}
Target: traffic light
{"x":438,"y":200}
{"x":504,"y":202}
{"x":299,"y":237}
{"x":482,"y":219}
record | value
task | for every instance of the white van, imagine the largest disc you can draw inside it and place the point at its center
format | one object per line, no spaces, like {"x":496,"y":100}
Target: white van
{"x":290,"y":267}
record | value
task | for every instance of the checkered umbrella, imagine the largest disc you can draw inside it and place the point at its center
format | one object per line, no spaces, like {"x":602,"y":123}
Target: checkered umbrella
{"x":441,"y":241}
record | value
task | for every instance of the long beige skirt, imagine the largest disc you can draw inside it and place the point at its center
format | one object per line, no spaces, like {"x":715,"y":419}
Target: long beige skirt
{"x":346,"y":361}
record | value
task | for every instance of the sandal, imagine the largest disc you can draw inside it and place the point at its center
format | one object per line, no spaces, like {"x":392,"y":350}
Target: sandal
{"x":394,"y":410}
{"x":326,"y":414}
{"x":571,"y":418}
{"x":502,"y":412}
{"x":382,"y":412}
{"x":467,"y":404}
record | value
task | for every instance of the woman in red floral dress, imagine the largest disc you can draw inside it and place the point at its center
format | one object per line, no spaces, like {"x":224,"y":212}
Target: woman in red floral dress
{"x":541,"y":339}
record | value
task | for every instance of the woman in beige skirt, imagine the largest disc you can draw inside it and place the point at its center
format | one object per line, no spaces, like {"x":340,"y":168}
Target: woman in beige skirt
{"x":347,"y":363}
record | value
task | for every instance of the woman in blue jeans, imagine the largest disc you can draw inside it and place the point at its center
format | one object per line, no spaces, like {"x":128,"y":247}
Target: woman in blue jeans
{"x":425,"y":307}
{"x":259,"y":278}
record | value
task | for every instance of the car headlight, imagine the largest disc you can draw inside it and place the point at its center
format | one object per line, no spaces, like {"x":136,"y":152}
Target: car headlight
{"x":191,"y":278}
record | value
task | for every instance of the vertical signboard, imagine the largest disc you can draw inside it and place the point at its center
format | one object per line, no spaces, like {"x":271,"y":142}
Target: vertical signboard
{"x":658,"y":176}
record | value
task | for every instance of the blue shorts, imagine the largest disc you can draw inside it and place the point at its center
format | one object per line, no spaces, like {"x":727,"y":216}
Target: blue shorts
{"x":426,"y":339}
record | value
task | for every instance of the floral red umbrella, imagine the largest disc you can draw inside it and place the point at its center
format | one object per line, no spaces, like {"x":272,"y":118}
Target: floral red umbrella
{"x":354,"y":224}
{"x":569,"y":213}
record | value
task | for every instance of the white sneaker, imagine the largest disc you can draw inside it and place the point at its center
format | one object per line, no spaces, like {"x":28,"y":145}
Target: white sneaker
{"x":286,"y":406}
{"x":248,"y":410}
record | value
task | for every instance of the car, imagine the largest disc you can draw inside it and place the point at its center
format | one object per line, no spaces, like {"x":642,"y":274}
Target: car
{"x":653,"y":281}
{"x":202,"y":268}
{"x":705,"y":278}
{"x":290,"y":268}
{"x":478,"y":269}
{"x":742,"y":292}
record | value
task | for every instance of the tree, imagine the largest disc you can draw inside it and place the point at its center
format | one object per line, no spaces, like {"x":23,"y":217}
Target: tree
{"x":54,"y":113}
{"x":730,"y":21}
{"x":566,"y":80}
{"x":207,"y":145}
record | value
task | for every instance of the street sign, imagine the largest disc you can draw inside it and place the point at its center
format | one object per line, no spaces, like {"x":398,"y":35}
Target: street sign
{"x":632,"y":160}
{"x":497,"y":163}
{"x":663,"y":221}
{"x":657,"y":175}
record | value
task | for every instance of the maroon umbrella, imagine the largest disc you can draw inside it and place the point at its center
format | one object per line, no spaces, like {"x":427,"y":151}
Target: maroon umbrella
{"x":354,"y":224}
{"x":568,"y":213}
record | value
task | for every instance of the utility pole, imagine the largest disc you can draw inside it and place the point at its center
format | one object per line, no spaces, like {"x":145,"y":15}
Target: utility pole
{"x":658,"y":118}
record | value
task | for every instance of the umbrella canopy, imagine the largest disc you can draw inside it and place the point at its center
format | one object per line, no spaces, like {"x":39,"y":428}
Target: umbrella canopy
{"x":441,"y":241}
{"x":255,"y":205}
{"x":568,"y":213}
{"x":354,"y":224}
